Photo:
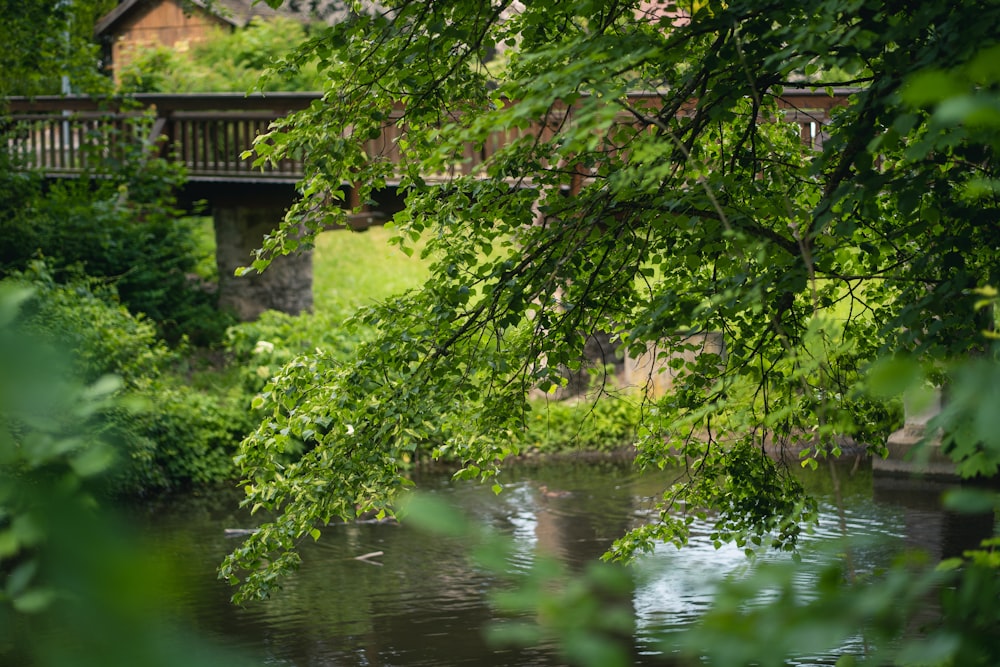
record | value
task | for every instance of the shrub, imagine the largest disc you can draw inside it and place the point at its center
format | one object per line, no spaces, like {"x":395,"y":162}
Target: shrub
{"x":84,"y":318}
{"x":168,"y":433}
{"x":581,"y":424}
{"x":122,"y":226}
{"x":262,"y":347}
{"x":188,"y":438}
{"x":70,"y":572}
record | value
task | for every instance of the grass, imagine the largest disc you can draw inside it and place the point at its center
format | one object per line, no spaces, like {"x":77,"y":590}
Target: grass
{"x":353,"y":269}
{"x":350,"y":269}
{"x":204,"y":238}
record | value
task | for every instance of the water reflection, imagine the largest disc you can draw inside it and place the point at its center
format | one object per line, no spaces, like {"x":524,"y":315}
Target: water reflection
{"x":424,"y":603}
{"x":925,"y":525}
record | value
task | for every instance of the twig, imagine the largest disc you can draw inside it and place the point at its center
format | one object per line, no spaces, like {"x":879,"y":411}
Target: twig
{"x":364,"y":558}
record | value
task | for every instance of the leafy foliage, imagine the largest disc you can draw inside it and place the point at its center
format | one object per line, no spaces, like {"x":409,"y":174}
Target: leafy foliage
{"x":694,"y":210}
{"x":264,"y":346}
{"x":190,"y":437}
{"x":46,"y":40}
{"x":120,"y":224}
{"x":99,"y":335}
{"x":601,"y":423}
{"x":75,"y":590}
{"x":171,"y":434}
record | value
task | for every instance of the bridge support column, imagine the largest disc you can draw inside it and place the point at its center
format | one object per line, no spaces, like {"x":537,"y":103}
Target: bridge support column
{"x":285,"y":286}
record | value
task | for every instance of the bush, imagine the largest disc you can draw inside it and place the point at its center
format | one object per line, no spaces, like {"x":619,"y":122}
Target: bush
{"x":121,"y":225}
{"x":84,"y":318}
{"x":581,"y":424}
{"x":188,"y":438}
{"x":76,"y":590}
{"x":262,"y":347}
{"x":168,"y":433}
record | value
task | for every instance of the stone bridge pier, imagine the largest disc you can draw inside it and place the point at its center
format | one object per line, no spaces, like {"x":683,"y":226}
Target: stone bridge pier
{"x":242,"y":218}
{"x":243,"y":214}
{"x":286,"y":285}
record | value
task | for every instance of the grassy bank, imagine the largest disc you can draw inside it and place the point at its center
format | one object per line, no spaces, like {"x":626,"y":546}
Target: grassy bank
{"x":353,"y":269}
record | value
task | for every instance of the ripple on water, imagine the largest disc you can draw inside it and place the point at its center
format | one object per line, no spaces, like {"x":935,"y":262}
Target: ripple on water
{"x":427,"y":601}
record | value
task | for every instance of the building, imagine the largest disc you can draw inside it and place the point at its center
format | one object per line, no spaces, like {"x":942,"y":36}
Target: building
{"x":178,"y":24}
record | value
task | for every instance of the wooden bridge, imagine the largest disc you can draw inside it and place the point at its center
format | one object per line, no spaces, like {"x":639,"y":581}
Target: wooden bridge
{"x":206,"y":133}
{"x":66,"y":137}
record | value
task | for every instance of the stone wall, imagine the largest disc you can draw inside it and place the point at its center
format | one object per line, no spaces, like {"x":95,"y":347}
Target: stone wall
{"x":912,"y":450}
{"x":651,"y":371}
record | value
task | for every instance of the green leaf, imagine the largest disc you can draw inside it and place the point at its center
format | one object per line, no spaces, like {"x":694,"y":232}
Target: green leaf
{"x":968,"y":500}
{"x":939,"y":649}
{"x":433,"y":515}
{"x":930,"y":87}
{"x":892,"y":376}
{"x":19,"y":579}
{"x":9,"y":544}
{"x":34,"y":601}
{"x":11,"y":300}
{"x":93,"y":460}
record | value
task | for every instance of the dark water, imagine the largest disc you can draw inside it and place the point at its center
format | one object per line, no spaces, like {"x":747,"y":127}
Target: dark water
{"x":425,"y":603}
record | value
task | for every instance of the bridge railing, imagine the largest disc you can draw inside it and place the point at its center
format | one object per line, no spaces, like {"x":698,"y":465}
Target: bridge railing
{"x":65,"y":136}
{"x":68,"y":144}
{"x":209,"y":145}
{"x":207,"y":133}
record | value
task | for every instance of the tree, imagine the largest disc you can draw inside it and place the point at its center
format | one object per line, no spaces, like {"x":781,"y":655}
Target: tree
{"x":46,"y":40}
{"x":698,"y":210}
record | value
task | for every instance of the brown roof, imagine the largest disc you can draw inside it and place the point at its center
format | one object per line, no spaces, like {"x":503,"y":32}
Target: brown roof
{"x":235,"y":12}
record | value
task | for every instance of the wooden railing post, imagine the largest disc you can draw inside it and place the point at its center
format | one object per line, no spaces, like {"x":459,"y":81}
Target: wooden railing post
{"x":208,"y":132}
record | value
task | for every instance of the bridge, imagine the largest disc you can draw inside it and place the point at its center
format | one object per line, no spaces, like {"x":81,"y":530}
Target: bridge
{"x":66,"y":137}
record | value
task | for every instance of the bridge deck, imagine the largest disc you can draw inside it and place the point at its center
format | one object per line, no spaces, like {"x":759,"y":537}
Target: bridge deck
{"x":207,"y":133}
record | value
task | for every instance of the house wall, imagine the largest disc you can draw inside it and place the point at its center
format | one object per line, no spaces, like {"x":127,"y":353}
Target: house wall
{"x":161,"y":22}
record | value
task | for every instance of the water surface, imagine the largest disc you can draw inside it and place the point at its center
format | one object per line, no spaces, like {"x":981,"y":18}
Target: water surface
{"x":425,"y":603}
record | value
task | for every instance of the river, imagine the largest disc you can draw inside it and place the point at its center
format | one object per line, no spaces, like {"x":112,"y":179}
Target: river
{"x":422,"y":602}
